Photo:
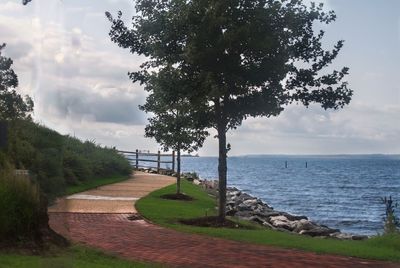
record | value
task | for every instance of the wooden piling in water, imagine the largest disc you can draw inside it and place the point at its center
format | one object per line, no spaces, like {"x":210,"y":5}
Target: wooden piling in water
{"x":158,"y":161}
{"x":137,"y":158}
{"x":173,"y":161}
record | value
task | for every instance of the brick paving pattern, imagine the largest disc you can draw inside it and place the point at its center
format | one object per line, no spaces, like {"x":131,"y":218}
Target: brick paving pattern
{"x":143,"y":241}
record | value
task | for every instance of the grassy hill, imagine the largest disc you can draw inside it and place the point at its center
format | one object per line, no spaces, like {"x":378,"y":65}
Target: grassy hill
{"x":56,"y":161}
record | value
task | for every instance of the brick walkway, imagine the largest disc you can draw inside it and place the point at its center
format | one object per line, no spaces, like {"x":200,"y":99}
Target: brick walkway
{"x":143,"y":241}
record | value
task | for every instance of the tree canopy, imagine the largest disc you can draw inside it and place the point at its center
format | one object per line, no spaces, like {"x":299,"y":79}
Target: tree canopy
{"x":246,"y":58}
{"x":174,"y":123}
{"x":12,"y":104}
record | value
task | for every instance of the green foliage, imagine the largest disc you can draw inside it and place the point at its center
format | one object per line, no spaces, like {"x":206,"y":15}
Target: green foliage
{"x":168,"y":212}
{"x":76,"y":257}
{"x":86,"y":185}
{"x":242,"y":59}
{"x":12,"y":105}
{"x":174,"y":124}
{"x":57,"y":161}
{"x":191,"y":176}
{"x":20,"y":206}
{"x":392,"y":222}
{"x":248,"y":57}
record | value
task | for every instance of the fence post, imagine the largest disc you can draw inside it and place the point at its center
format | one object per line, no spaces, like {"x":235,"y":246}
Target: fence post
{"x":173,"y":161}
{"x":158,"y":162}
{"x":137,"y":158}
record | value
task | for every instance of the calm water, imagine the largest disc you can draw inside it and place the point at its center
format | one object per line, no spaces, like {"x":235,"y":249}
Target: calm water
{"x":340,"y":191}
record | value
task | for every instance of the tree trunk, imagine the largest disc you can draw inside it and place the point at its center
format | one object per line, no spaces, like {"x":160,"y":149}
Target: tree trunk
{"x":178,"y":178}
{"x":222,"y":171}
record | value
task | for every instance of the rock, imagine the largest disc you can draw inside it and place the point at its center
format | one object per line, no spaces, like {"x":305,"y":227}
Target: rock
{"x":230,"y":203}
{"x":319,"y":231}
{"x":268,"y":214}
{"x":250,"y":208}
{"x":303,"y":225}
{"x":233,"y":194}
{"x":258,"y":209}
{"x":230,"y":212}
{"x":257,"y":220}
{"x":231,"y":189}
{"x":341,"y":236}
{"x":293,"y":217}
{"x":244,"y":214}
{"x":243,"y":206}
{"x":244,"y":196}
{"x":278,"y":218}
{"x":268,"y":225}
{"x":281,"y":222}
{"x":250,"y":202}
{"x":196,"y":182}
{"x":359,"y":237}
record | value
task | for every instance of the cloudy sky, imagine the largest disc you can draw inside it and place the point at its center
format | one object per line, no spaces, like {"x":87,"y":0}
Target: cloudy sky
{"x":78,"y":80}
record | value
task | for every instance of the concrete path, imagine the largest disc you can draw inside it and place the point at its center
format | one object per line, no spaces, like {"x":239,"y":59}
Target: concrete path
{"x":139,"y":240}
{"x":114,"y":198}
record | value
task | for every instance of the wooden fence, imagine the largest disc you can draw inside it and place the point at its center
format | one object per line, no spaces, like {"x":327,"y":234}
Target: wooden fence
{"x":138,"y":157}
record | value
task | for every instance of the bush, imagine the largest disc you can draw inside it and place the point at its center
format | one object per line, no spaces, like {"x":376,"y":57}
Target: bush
{"x":391,"y":221}
{"x":58,"y":161}
{"x":20,"y":206}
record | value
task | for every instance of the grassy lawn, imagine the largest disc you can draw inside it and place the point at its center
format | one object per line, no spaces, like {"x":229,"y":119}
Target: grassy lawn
{"x":167,"y":213}
{"x":90,"y":184}
{"x":74,"y":257}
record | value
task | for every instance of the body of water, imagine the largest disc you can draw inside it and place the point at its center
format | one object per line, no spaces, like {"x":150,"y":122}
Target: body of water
{"x":340,"y":191}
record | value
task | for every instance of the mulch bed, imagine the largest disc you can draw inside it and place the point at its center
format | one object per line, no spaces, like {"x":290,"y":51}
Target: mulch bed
{"x":212,"y":221}
{"x":181,"y":197}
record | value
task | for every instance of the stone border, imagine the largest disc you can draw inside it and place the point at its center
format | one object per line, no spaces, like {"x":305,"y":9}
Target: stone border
{"x":247,"y":207}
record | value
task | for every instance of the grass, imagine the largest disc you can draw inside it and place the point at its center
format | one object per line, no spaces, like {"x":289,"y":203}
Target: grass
{"x":90,"y":184}
{"x":20,"y":207}
{"x":56,"y":161}
{"x":73,"y":257}
{"x":168,"y":212}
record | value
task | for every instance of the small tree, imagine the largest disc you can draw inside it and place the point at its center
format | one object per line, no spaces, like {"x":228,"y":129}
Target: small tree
{"x":391,"y":221}
{"x":248,"y":58}
{"x":12,"y":105}
{"x":173,"y":124}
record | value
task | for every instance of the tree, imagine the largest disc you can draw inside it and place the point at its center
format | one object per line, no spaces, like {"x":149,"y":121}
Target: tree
{"x":174,"y":124}
{"x":12,"y":105}
{"x":248,"y":58}
{"x":391,"y":221}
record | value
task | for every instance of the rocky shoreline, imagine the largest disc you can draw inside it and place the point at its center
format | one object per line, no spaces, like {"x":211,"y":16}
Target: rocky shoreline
{"x":247,"y":207}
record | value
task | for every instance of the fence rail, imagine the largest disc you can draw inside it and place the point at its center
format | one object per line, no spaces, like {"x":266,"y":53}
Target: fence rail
{"x":136,"y":157}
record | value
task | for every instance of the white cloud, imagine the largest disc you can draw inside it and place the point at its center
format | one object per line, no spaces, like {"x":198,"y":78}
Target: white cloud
{"x":79,"y":82}
{"x":11,"y":7}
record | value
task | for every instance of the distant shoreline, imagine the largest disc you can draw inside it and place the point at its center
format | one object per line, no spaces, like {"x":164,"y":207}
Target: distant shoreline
{"x":306,"y":155}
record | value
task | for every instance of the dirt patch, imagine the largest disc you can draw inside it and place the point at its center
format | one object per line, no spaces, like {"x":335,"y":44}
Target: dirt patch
{"x":181,"y":197}
{"x":212,"y":221}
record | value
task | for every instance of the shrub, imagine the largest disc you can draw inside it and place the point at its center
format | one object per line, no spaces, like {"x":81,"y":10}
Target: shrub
{"x":57,"y":161}
{"x":20,"y":206}
{"x":392,"y":222}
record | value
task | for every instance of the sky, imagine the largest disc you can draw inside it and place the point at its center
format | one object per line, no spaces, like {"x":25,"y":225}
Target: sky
{"x":78,"y":80}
